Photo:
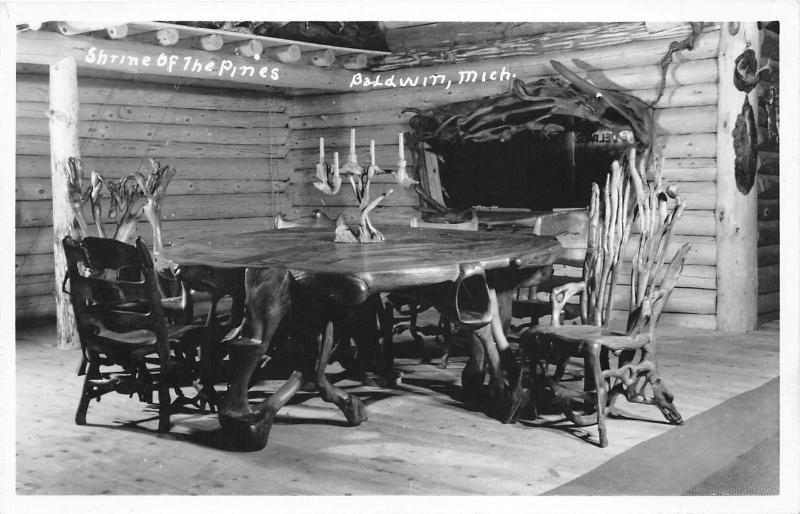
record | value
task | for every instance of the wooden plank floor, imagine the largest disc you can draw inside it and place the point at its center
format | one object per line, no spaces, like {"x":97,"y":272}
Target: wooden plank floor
{"x":419,"y":439}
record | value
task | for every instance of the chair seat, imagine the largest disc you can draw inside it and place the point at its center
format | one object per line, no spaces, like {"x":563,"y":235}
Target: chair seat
{"x":591,"y":334}
{"x":140,"y":337}
{"x":144,"y":337}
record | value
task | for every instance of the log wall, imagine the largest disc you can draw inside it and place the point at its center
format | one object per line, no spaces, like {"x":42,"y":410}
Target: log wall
{"x":767,"y":183}
{"x":229,"y":147}
{"x":685,"y":115}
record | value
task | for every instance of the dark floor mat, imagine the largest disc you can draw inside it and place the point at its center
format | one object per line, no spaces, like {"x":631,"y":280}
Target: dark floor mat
{"x":755,"y":473}
{"x":684,"y":457}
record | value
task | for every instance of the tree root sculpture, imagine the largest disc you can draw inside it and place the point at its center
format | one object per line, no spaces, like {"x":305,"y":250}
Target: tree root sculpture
{"x":129,"y":198}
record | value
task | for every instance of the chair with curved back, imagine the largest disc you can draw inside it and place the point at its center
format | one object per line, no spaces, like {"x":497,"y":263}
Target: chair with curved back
{"x":127,"y":344}
{"x":628,"y":200}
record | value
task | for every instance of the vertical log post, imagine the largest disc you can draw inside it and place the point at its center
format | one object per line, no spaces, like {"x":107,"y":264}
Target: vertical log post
{"x":736,"y":213}
{"x":63,"y":145}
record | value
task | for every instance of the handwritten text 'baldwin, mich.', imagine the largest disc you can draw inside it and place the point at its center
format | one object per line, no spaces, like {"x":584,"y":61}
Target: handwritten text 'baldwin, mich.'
{"x":464,"y":77}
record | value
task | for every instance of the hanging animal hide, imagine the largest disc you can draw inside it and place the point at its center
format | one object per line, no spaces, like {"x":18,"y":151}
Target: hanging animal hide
{"x":745,"y":146}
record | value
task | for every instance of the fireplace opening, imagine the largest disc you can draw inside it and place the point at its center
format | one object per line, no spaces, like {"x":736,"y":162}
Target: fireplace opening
{"x":532,"y":170}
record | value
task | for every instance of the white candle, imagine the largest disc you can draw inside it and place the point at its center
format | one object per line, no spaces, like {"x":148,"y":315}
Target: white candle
{"x":372,"y":152}
{"x":336,"y":160}
{"x":401,"y":151}
{"x":352,"y":141}
{"x":322,"y":149}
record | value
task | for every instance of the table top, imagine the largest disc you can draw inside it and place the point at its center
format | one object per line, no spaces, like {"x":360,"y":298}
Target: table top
{"x":409,"y":257}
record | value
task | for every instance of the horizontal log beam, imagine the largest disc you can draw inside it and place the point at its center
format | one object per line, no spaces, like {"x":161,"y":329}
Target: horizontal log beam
{"x":678,"y":96}
{"x":678,"y":120}
{"x":769,"y":255}
{"x":768,"y":163}
{"x":40,"y":145}
{"x":686,"y":120}
{"x":40,"y":189}
{"x":391,"y":116}
{"x":679,"y":175}
{"x":34,"y":264}
{"x":769,"y":278}
{"x":35,"y":88}
{"x":459,"y":33}
{"x":303,"y":159}
{"x":770,"y":47}
{"x":45,"y":48}
{"x":768,"y":186}
{"x":768,"y":209}
{"x":37,"y":213}
{"x":601,"y":35}
{"x":672,"y":319}
{"x":339,"y":138}
{"x":687,"y":146}
{"x":264,"y":168}
{"x":114,"y":130}
{"x":39,"y":240}
{"x":682,"y":300}
{"x":35,"y":285}
{"x":34,"y":308}
{"x":400,"y":216}
{"x":703,"y":252}
{"x":769,"y":302}
{"x":692,"y":276}
{"x":163,"y":115}
{"x":626,"y":54}
{"x":304,"y":195}
{"x":769,"y":233}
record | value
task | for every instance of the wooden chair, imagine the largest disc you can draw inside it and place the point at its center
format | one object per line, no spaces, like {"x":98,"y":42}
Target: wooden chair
{"x":125,"y":339}
{"x":409,"y":309}
{"x":568,"y":226}
{"x":627,"y":200}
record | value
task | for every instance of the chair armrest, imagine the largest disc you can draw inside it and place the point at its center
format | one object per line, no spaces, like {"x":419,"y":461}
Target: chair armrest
{"x":564,"y":292}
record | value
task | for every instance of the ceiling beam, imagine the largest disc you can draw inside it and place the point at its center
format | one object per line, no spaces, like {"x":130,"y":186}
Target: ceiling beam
{"x":446,"y":34}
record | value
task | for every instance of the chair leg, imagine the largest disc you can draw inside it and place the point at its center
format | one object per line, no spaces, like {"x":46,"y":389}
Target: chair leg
{"x":163,"y":405}
{"x":594,"y":360}
{"x":86,"y":394}
{"x":447,"y":336}
{"x":386,"y":313}
{"x":423,"y":357}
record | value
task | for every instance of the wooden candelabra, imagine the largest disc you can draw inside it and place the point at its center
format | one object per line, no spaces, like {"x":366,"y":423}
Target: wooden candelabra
{"x":329,"y":181}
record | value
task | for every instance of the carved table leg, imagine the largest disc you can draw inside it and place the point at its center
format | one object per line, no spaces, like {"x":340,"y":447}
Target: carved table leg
{"x":268,"y":302}
{"x":474,"y":371}
{"x":350,"y":405}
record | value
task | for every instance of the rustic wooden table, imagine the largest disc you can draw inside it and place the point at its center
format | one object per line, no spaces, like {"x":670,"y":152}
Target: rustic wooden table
{"x":468,"y":276}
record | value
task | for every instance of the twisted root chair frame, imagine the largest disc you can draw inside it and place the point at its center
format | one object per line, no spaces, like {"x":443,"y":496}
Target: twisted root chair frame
{"x":627,"y":200}
{"x":121,"y":325}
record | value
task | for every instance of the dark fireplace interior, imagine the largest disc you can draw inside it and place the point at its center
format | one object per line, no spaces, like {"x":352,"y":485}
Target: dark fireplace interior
{"x":532,"y":170}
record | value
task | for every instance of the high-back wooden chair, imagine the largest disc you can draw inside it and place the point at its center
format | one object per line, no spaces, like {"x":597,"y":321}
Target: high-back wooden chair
{"x":124,"y":336}
{"x":569,"y":226}
{"x":627,"y":201}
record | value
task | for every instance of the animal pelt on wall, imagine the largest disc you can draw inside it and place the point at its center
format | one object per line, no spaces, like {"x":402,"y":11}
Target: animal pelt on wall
{"x":745,"y":146}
